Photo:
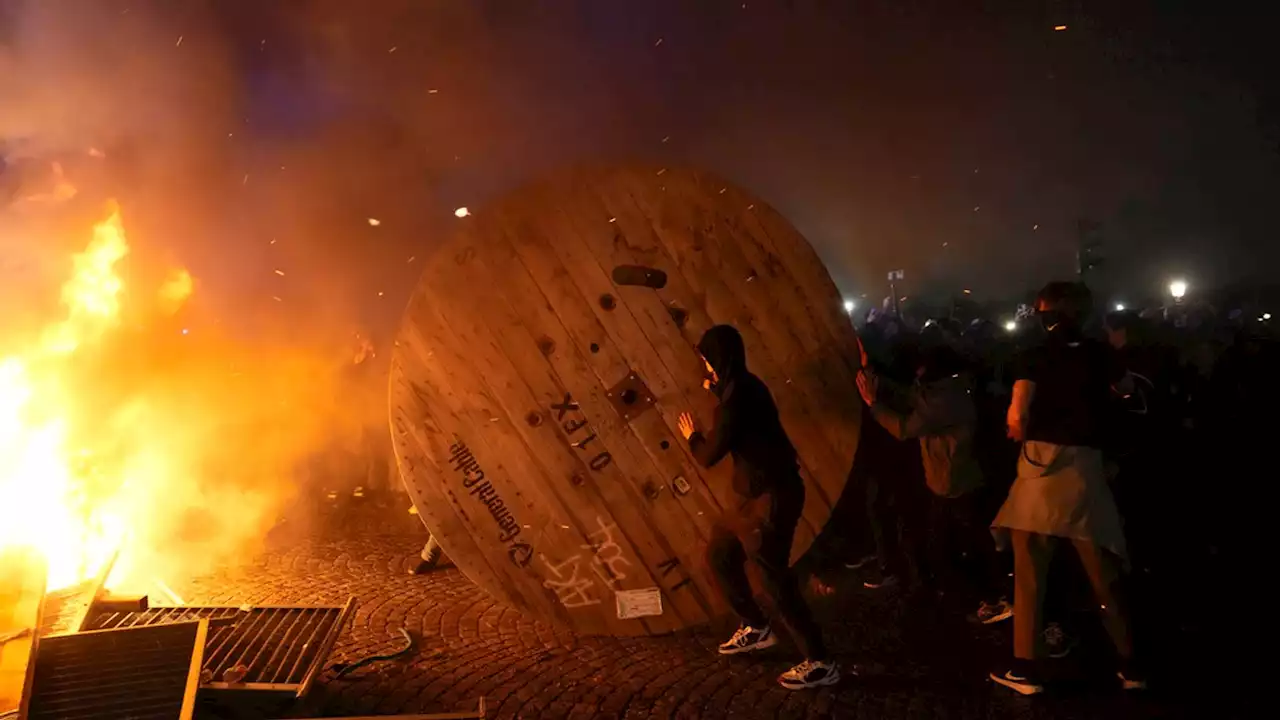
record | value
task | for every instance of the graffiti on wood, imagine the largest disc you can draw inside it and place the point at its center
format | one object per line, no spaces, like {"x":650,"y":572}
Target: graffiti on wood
{"x":573,"y":584}
{"x":607,"y":560}
{"x":572,"y":589}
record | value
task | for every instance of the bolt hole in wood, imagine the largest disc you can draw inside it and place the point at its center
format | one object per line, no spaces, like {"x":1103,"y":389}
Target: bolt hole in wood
{"x":629,"y":397}
{"x":607,"y":302}
{"x":679,"y":316}
{"x":595,"y":348}
{"x":534,"y":419}
{"x":665,"y":445}
{"x":639,"y":276}
{"x":546,"y":345}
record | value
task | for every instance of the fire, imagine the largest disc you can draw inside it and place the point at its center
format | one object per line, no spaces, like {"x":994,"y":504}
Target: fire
{"x":175,"y":291}
{"x":120,"y":432}
{"x":45,"y":480}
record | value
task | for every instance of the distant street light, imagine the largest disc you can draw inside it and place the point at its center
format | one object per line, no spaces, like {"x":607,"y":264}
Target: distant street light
{"x":1178,"y":289}
{"x":1011,"y":326}
{"x":849,"y":305}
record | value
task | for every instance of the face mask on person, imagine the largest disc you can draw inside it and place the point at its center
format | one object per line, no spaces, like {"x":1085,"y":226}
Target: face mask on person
{"x":710,"y":380}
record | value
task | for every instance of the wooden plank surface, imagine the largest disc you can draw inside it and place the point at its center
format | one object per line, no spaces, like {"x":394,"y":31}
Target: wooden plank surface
{"x":22,"y":586}
{"x":549,"y":491}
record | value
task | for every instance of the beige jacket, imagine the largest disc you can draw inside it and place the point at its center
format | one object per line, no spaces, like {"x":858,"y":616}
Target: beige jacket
{"x":942,"y":415}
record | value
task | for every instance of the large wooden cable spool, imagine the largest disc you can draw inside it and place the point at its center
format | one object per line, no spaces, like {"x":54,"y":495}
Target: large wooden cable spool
{"x":545,"y":357}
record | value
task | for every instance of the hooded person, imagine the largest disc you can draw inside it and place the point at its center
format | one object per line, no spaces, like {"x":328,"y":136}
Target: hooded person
{"x":1062,"y":393}
{"x":760,"y":524}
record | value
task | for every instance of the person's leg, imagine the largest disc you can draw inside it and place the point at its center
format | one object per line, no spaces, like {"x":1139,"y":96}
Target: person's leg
{"x":727,"y":561}
{"x":913,"y":499}
{"x":1103,"y":571}
{"x":1031,"y":555}
{"x":767,"y":541}
{"x":430,"y":556}
{"x":883,"y":523}
{"x":986,"y":569}
{"x":772,"y":556}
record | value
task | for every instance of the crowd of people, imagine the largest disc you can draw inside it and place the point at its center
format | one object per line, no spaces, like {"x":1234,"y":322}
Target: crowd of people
{"x":988,"y":459}
{"x":1018,"y":470}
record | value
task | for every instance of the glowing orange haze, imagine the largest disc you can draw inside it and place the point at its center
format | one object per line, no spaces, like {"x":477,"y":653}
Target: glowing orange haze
{"x":120,"y":430}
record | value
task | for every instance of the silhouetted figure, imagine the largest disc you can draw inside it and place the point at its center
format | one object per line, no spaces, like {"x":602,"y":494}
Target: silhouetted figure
{"x":762,"y":524}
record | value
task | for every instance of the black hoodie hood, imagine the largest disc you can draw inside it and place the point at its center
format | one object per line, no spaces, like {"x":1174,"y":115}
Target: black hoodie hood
{"x":722,"y":347}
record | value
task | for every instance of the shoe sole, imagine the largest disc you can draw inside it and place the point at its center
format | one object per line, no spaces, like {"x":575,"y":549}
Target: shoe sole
{"x":760,"y":645}
{"x":879,"y":586}
{"x":1128,"y":684}
{"x":1017,"y":687}
{"x":998,"y":618}
{"x":831,"y":679}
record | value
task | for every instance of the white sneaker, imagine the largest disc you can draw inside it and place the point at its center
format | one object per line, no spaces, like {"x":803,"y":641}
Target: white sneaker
{"x":808,"y":674}
{"x":990,"y":613}
{"x":1018,"y":683}
{"x":748,"y":639}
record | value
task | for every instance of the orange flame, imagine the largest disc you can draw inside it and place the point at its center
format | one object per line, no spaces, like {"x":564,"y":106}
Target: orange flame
{"x":134,"y":436}
{"x":42,"y":493}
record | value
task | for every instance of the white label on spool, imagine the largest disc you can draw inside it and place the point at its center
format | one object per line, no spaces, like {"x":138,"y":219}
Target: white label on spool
{"x":639,"y":603}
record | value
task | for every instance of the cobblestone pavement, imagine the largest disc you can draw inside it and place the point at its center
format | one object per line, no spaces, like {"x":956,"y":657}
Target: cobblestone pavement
{"x":909,"y":663}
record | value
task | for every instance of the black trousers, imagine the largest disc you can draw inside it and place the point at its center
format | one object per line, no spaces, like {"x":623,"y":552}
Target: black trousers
{"x":761,"y":530}
{"x":898,"y":515}
{"x":961,"y":549}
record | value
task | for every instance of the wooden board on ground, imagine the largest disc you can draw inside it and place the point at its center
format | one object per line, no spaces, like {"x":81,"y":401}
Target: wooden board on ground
{"x":22,"y":585}
{"x":544,"y":359}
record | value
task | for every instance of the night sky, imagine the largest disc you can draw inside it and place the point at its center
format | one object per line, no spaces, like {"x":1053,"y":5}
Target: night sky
{"x":963,"y":144}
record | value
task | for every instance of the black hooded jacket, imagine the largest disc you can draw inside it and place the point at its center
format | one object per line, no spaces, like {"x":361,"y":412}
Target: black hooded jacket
{"x":747,"y":425}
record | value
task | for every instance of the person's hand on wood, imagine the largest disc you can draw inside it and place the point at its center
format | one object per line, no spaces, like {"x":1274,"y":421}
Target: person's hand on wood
{"x":867,"y":387}
{"x":686,"y":425}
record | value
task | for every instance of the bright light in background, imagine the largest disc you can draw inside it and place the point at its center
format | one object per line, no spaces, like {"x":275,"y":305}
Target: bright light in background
{"x":849,"y":305}
{"x":1178,"y":289}
{"x":1059,"y":28}
{"x":1119,"y":307}
{"x":1266,"y":316}
{"x":461,"y":212}
{"x":1011,"y":325}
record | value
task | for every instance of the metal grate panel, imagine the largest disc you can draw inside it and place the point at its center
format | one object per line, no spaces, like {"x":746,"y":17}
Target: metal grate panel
{"x":277,"y":649}
{"x":144,"y":673}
